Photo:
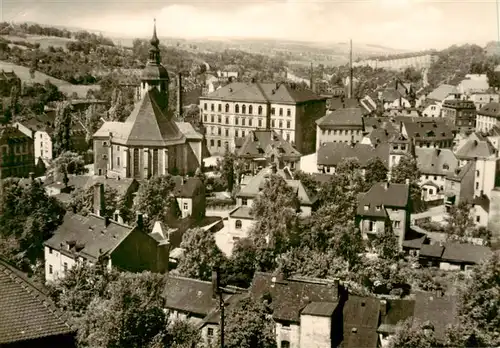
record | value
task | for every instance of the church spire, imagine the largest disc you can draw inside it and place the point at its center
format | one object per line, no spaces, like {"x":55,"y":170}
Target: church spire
{"x":154,"y":50}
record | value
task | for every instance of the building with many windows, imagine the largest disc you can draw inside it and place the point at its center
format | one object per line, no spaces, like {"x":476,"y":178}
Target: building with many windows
{"x":462,"y":113}
{"x":341,"y":125}
{"x":17,"y":153}
{"x":238,"y":108}
{"x":488,"y":117}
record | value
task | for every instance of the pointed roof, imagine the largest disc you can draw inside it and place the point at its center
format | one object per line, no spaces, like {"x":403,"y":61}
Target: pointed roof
{"x":154,"y":40}
{"x":149,"y":126}
{"x":154,"y":71}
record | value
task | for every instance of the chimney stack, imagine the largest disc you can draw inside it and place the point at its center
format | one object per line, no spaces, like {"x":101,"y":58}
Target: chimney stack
{"x":386,"y":185}
{"x":407,"y":181}
{"x":32,"y":176}
{"x":383,"y":307}
{"x":140,"y":221}
{"x":99,"y":204}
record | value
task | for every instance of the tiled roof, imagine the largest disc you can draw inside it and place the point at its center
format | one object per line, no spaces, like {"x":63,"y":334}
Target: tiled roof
{"x":440,"y":311}
{"x":382,"y":135}
{"x":88,"y":236}
{"x":467,"y":253}
{"x":121,"y":186}
{"x":397,"y":310}
{"x":459,"y":104}
{"x":264,"y":142}
{"x":188,"y":130}
{"x":436,"y":161}
{"x":262,"y":93}
{"x":189,"y":188}
{"x":383,"y":195}
{"x":320,"y":309}
{"x":429,"y":250}
{"x":428,"y":130}
{"x":460,"y":173}
{"x":330,"y":154}
{"x":441,"y":92}
{"x":342,"y":117}
{"x":474,"y":85}
{"x":361,"y":317}
{"x":476,"y":146}
{"x":26,"y":313}
{"x":390,"y":95}
{"x":290,"y":296}
{"x":190,"y":295}
{"x":342,"y":102}
{"x":414,"y":243}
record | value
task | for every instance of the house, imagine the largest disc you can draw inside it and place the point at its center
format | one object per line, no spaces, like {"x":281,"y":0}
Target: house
{"x":237,"y":108}
{"x":385,"y":205}
{"x":262,"y":147}
{"x":40,"y":129}
{"x":459,"y":185}
{"x":17,"y":153}
{"x":329,"y":155}
{"x":392,"y":313}
{"x":428,"y":133}
{"x":432,"y":110}
{"x":342,"y":125}
{"x":488,"y":117}
{"x":149,"y":142}
{"x":481,"y":99}
{"x":399,"y":146}
{"x":380,"y":135}
{"x":96,"y":238}
{"x":462,"y":113}
{"x":474,"y":84}
{"x":8,"y":80}
{"x":435,"y":165}
{"x":29,"y":318}
{"x":453,"y":256}
{"x":440,"y":93}
{"x":190,"y":196}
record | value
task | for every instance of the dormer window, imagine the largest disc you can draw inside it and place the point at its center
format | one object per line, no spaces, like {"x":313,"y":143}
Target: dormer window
{"x":367,"y":207}
{"x":378,"y":207}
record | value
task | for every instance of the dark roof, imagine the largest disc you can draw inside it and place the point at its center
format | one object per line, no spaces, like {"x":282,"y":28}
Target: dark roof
{"x":436,"y":130}
{"x":262,"y":93}
{"x":121,"y":186}
{"x":460,"y":173}
{"x":11,"y":133}
{"x":476,"y":145}
{"x":361,"y":317}
{"x":189,"y":188}
{"x":190,"y":295}
{"x":436,"y":161}
{"x":320,"y":309}
{"x":459,"y":104}
{"x":390,"y":95}
{"x":397,"y":310}
{"x":382,"y":135}
{"x":264,"y":143}
{"x":429,"y":250}
{"x":352,"y":117}
{"x":330,"y":154}
{"x":440,"y":311}
{"x":342,"y":102}
{"x":383,"y":195}
{"x":483,"y":201}
{"x":289,"y":297}
{"x":415,"y":243}
{"x":87,"y":235}
{"x":26,"y":312}
{"x":242,"y":212}
{"x":490,"y":109}
{"x":466,"y":253}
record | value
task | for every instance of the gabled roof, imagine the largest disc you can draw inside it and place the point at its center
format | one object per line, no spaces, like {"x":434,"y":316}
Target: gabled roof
{"x":188,"y":131}
{"x":429,"y":250}
{"x":460,"y":173}
{"x":390,"y":95}
{"x":26,"y":312}
{"x":474,"y":85}
{"x":436,"y":161}
{"x":289,"y":297}
{"x":330,"y":154}
{"x":88,"y":236}
{"x":342,"y":117}
{"x":263,"y":142}
{"x":262,"y":93}
{"x":189,"y":188}
{"x":431,"y":131}
{"x":441,"y":92}
{"x":383,"y":195}
{"x":465,"y":253}
{"x":361,"y":318}
{"x":476,"y":146}
{"x":382,"y":135}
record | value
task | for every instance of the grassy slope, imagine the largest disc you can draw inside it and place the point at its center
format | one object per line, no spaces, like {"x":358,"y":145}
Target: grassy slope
{"x":44,"y":41}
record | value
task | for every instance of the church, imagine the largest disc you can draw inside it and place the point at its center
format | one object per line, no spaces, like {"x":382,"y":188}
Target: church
{"x":149,"y":142}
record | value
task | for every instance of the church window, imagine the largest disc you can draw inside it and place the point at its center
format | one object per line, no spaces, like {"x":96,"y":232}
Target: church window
{"x":212,"y":108}
{"x":242,"y":121}
{"x":243,"y":109}
{"x":155,"y":161}
{"x":219,"y":107}
{"x":227,"y":107}
{"x":250,"y":109}
{"x":260,"y":110}
{"x":236,"y":108}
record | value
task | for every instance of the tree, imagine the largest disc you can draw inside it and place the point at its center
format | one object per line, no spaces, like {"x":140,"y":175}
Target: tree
{"x":82,"y":200}
{"x":459,"y":222}
{"x":413,"y":334}
{"x":251,"y":326}
{"x":226,"y":167}
{"x":375,"y":171}
{"x":201,"y":255}
{"x":307,"y":180}
{"x":479,"y":307}
{"x":407,"y":169}
{"x":67,"y":163}
{"x":14,"y":99}
{"x":62,"y":129}
{"x":156,"y":201}
{"x":386,"y":243}
{"x":182,"y":334}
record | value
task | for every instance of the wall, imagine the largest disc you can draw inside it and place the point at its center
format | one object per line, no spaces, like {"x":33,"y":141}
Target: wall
{"x":315,"y":332}
{"x":449,"y":266}
{"x":290,"y":333}
{"x":246,"y":225}
{"x":43,"y":145}
{"x":340,"y":134}
{"x":56,"y":259}
{"x":494,"y":216}
{"x":432,"y":111}
{"x":402,"y":216}
{"x":485,"y":123}
{"x":185,"y":211}
{"x":479,"y":213}
{"x":305,"y":135}
{"x":484,"y":176}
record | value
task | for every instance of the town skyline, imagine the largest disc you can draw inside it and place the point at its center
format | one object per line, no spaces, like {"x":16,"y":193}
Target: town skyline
{"x":426,"y":24}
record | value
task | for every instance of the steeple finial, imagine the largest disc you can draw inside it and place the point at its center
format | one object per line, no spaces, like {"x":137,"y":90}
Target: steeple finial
{"x":154,"y":40}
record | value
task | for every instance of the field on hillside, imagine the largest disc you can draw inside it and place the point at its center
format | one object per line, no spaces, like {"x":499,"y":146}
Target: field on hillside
{"x":44,"y":41}
{"x":64,"y":86}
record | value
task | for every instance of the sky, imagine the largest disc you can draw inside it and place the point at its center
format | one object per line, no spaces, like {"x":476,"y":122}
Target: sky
{"x":401,"y":24}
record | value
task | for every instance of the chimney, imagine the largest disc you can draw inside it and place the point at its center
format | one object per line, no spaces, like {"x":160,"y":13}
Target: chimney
{"x":99,"y":204}
{"x":386,"y":185}
{"x":179,"y":95}
{"x":407,"y":181}
{"x":383,"y":307}
{"x":106,"y":221}
{"x":140,"y":221}
{"x":32,"y":176}
{"x":215,"y":283}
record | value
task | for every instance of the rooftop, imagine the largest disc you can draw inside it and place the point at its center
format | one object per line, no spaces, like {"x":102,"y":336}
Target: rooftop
{"x":441,"y":92}
{"x":459,"y":104}
{"x":476,"y":146}
{"x":490,"y":109}
{"x":440,"y":311}
{"x":383,"y":195}
{"x":330,"y":154}
{"x":342,"y":117}
{"x":436,"y":161}
{"x":264,"y":143}
{"x":435,"y":130}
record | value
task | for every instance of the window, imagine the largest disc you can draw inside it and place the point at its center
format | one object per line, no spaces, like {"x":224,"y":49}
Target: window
{"x":205,"y":106}
{"x":219,"y":143}
{"x":227,"y":120}
{"x":205,"y":118}
{"x":281,"y":111}
{"x":250,"y":122}
{"x":371,"y":226}
{"x":242,"y":133}
{"x":367,"y":207}
{"x":397,"y":224}
{"x":104,"y":143}
{"x":65,"y":266}
{"x":219,"y":130}
{"x":478,"y":218}
{"x":219,"y":119}
{"x":212,"y":142}
{"x":250,"y":109}
{"x":378,"y":207}
{"x":185,"y":206}
{"x":477,"y":173}
{"x":210,"y":332}
{"x":236,"y":108}
{"x":477,"y":185}
{"x":431,"y":191}
{"x":287,"y":136}
{"x":435,"y":177}
{"x":242,"y":121}
{"x":212,"y":119}
{"x":272,"y":123}
{"x":212,"y":107}
{"x":227,"y":107}
{"x":288,"y":112}
{"x":236,"y":133}
{"x":244,"y":201}
{"x":260,"y":110}
{"x":50,"y":269}
{"x":236,"y":121}
{"x":117,"y":161}
{"x":227,"y":132}
{"x":287,"y":124}
{"x":219,"y":107}
{"x":243,"y":109}
{"x":281,"y":124}
{"x":285,"y":344}
{"x":260,"y":122}
{"x":104,"y":157}
{"x":238,"y":224}
{"x":273,"y":111}
{"x":50,"y":250}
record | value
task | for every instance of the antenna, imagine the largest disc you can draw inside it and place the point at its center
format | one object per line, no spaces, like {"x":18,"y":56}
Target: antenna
{"x":350,"y":69}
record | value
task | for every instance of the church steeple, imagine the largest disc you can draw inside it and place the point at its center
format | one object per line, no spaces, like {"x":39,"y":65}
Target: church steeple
{"x":154,"y":50}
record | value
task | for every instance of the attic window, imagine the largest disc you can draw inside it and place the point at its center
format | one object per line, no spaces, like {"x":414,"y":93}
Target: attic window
{"x":367,"y":207}
{"x":446,"y":167}
{"x":378,"y":207}
{"x":354,"y":330}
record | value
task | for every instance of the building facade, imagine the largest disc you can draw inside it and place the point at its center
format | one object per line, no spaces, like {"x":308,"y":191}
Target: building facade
{"x":17,"y":150}
{"x":488,"y":117}
{"x":341,"y":125}
{"x":462,"y":113}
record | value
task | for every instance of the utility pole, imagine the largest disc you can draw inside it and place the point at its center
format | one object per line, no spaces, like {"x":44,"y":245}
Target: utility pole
{"x":217,"y":291}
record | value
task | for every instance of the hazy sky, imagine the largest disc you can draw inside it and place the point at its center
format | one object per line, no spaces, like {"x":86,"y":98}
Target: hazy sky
{"x":406,"y":24}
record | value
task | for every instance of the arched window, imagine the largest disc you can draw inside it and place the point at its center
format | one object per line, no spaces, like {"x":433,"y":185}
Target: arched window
{"x":238,"y":224}
{"x":250,"y":109}
{"x":227,"y":107}
{"x":243,"y":109}
{"x":260,"y":110}
{"x":236,"y":108}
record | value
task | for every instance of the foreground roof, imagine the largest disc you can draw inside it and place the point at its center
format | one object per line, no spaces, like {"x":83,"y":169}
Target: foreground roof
{"x":26,"y":312}
{"x":440,"y":311}
{"x":382,"y":195}
{"x":330,"y":154}
{"x":265,"y":142}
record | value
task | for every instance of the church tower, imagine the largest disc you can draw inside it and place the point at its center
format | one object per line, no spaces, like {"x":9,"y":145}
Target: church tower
{"x":154,"y":74}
